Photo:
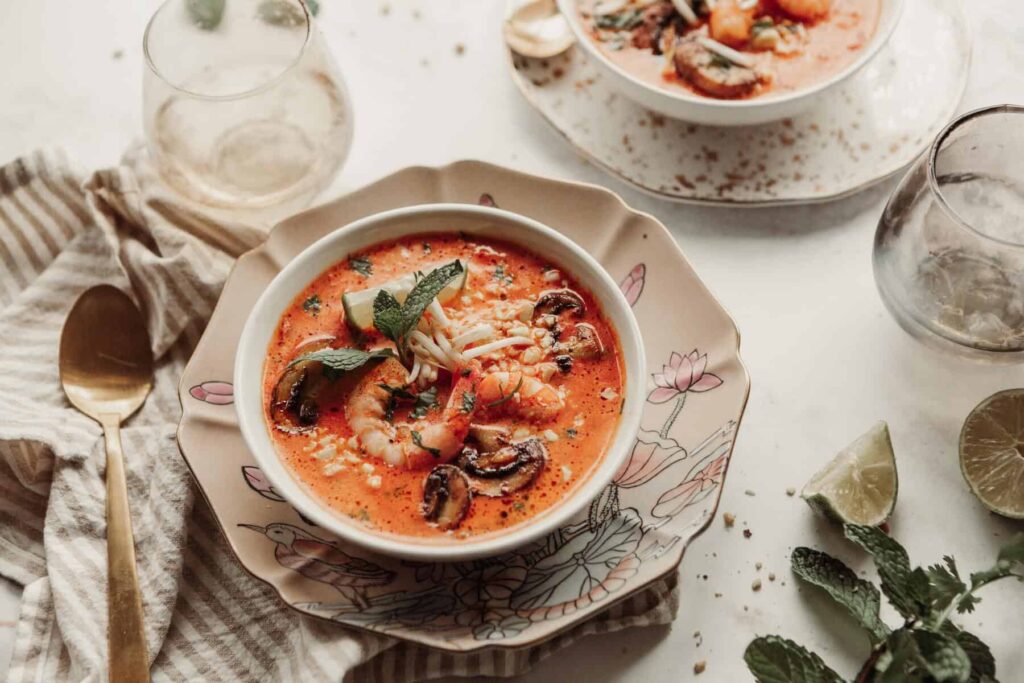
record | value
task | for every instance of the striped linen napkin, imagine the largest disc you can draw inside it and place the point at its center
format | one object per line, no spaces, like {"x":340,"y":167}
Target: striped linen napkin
{"x":206,"y":619}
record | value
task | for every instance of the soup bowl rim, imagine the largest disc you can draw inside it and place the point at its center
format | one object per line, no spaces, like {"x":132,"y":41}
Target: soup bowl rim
{"x":530,"y":234}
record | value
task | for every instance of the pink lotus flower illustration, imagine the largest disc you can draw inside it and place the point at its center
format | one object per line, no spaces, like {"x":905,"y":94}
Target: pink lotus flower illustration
{"x":217,"y":393}
{"x":632,"y":285}
{"x":692,"y":490}
{"x":682,"y":374}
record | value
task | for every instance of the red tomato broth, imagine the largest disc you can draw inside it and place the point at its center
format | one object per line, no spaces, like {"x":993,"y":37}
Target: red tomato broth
{"x":833,"y":43}
{"x":394,"y":507}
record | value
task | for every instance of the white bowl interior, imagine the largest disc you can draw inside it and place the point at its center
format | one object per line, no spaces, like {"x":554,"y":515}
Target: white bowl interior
{"x":887,"y":20}
{"x":474,"y":220}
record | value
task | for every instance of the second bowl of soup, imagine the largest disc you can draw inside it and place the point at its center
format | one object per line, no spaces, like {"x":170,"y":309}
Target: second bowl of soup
{"x":730,"y":62}
{"x":441,"y":382}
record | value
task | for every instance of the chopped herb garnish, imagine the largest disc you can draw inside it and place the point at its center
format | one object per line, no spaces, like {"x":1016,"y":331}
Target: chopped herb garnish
{"x":571,"y":432}
{"x":361,"y":265}
{"x":501,"y":276}
{"x":417,"y":439}
{"x":519,"y":506}
{"x":506,"y":397}
{"x":621,"y":21}
{"x":720,"y":61}
{"x":425,"y":402}
{"x":394,"y":394}
{"x":426,"y":248}
{"x":468,"y":401}
{"x":364,"y":514}
{"x":312,"y":305}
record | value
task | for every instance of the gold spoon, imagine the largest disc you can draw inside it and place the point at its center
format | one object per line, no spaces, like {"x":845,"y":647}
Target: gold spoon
{"x":106,"y":368}
{"x":535,"y":28}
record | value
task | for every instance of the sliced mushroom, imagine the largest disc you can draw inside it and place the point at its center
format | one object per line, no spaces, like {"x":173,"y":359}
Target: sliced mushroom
{"x":585,"y":344}
{"x":446,"y":496}
{"x":489,"y":437}
{"x":712,"y":73}
{"x":555,"y":301}
{"x":294,"y":406}
{"x":506,"y":470}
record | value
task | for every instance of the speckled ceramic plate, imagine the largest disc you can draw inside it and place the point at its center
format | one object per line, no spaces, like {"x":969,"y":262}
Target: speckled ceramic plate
{"x":634,"y":533}
{"x":855,"y":136}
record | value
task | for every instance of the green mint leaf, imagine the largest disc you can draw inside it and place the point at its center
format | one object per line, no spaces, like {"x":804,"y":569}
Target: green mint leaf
{"x":361,"y":265}
{"x":501,"y":275}
{"x":942,"y":657}
{"x":907,"y":590}
{"x":859,"y":597}
{"x":621,"y":21}
{"x":425,"y":291}
{"x":983,"y":664}
{"x":343,"y":360}
{"x":387,"y":316}
{"x":417,"y":439}
{"x":468,"y":401}
{"x":281,"y":13}
{"x":312,"y":305}
{"x":425,"y":402}
{"x":206,"y":14}
{"x":772,"y":659}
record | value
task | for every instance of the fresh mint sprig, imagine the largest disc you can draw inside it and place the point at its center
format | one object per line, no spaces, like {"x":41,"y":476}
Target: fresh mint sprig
{"x":926,"y":647}
{"x":339,"y":361}
{"x":395,"y":321}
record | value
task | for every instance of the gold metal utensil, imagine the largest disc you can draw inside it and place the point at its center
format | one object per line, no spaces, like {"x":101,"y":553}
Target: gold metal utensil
{"x":106,"y":368}
{"x":536,"y":28}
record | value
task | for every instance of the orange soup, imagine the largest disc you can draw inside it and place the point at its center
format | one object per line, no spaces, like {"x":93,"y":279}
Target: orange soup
{"x":443,"y":384}
{"x":731,"y":48}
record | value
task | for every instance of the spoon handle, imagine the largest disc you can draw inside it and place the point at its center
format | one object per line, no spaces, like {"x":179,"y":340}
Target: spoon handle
{"x":126,"y":640}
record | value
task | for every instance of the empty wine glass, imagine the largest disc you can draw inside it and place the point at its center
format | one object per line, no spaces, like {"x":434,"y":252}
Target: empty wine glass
{"x":244,"y":108}
{"x":949,"y":250}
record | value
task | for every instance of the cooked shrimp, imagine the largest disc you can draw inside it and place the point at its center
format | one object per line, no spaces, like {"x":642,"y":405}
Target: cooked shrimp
{"x":805,"y":9}
{"x":730,"y":24}
{"x":519,"y":394}
{"x":435,"y":439}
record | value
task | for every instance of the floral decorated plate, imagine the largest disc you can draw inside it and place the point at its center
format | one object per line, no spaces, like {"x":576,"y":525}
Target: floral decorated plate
{"x":856,"y":134}
{"x":634,"y":533}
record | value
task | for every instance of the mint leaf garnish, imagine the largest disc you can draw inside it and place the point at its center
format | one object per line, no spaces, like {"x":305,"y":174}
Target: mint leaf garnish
{"x":983,"y":664}
{"x":777,"y":660}
{"x":387,"y":316}
{"x":858,"y":596}
{"x":425,"y":291}
{"x":941,"y":656}
{"x":337,"y":361}
{"x":907,"y":590}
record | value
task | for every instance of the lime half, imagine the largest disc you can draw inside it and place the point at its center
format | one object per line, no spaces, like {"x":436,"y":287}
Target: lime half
{"x":859,"y":485}
{"x":992,"y":452}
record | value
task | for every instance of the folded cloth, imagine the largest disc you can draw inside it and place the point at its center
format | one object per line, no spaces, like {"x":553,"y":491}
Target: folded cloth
{"x":206,"y":618}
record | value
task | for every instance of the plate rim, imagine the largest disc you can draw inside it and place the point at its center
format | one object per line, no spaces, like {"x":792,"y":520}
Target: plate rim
{"x":807,"y":200}
{"x":696,"y":529}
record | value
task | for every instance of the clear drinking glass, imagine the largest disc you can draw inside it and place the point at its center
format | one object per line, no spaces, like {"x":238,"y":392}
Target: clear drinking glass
{"x":244,"y":107}
{"x":949,"y":250}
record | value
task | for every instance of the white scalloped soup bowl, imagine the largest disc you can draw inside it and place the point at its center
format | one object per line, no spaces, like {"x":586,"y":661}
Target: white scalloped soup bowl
{"x":473,"y":220}
{"x":679,"y":104}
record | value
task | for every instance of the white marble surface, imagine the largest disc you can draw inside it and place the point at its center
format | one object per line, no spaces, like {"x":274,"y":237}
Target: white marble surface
{"x":825,"y":358}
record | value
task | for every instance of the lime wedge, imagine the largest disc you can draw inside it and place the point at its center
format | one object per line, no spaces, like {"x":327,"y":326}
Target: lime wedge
{"x":358,"y":305}
{"x":859,"y":485}
{"x":992,"y":452}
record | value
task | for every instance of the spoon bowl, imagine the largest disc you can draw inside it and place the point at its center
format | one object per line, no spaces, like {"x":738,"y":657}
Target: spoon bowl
{"x":537,"y":29}
{"x":106,"y":369}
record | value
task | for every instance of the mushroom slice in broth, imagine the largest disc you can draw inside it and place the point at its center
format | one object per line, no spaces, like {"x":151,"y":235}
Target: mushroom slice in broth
{"x":506,"y":470}
{"x":489,"y":437}
{"x":446,"y":496}
{"x":555,"y":301}
{"x":294,"y":406}
{"x":585,"y":343}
